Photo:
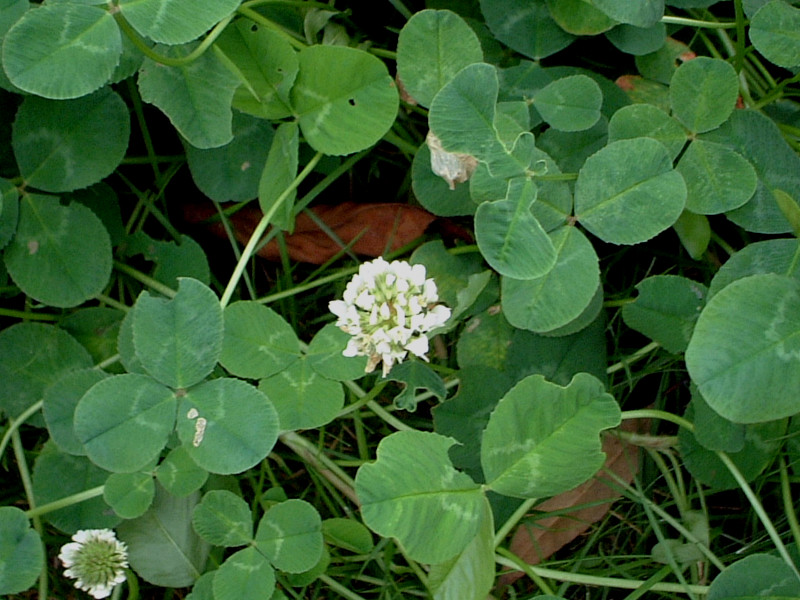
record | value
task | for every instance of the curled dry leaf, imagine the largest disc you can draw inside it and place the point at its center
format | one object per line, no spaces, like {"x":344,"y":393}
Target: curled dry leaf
{"x":453,"y":167}
{"x":537,"y":539}
{"x":376,"y":228}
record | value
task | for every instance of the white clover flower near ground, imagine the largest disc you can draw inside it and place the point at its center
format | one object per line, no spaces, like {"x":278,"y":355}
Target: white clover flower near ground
{"x":388,"y":308}
{"x":96,"y":560}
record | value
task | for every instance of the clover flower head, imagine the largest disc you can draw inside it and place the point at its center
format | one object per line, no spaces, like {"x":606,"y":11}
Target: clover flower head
{"x":388,"y":308}
{"x":96,"y":560}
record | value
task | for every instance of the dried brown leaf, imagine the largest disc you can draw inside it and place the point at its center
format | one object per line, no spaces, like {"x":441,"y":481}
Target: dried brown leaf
{"x":376,"y":228}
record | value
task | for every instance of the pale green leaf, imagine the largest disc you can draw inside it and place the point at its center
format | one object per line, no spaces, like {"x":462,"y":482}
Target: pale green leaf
{"x":544,"y":439}
{"x":178,"y":341}
{"x":196,"y":97}
{"x":570,"y":103}
{"x":162,"y":545}
{"x":412,"y":493}
{"x":61,"y":255}
{"x":641,"y":13}
{"x":62,"y":50}
{"x":510,"y":238}
{"x":666,"y":310}
{"x":226,"y":425}
{"x":222,"y":518}
{"x":175,"y":21}
{"x":129,"y":494}
{"x":746,"y":347}
{"x":344,"y":98}
{"x":65,"y":145}
{"x":431,"y":48}
{"x":775,"y":32}
{"x":124,"y":421}
{"x":277,"y":176}
{"x":303,"y":398}
{"x":258,"y":341}
{"x":290,"y":536}
{"x":526,"y":26}
{"x":246,"y":575}
{"x":554,"y":299}
{"x":628,"y":192}
{"x":470,"y":575}
{"x":232,"y":171}
{"x":32,"y":357}
{"x":703,"y":93}
{"x":265,"y":64}
{"x":21,"y":552}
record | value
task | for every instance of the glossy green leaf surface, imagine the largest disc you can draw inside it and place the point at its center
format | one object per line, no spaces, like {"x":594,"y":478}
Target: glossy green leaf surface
{"x":232,"y":171}
{"x":628,"y":192}
{"x":773,"y":32}
{"x":579,"y":17}
{"x":278,"y":174}
{"x":32,"y":357}
{"x":246,"y":575}
{"x":63,"y":51}
{"x":178,"y":341}
{"x":777,"y":256}
{"x":703,"y":93}
{"x":58,"y":408}
{"x":303,"y":398}
{"x":570,"y":103}
{"x":642,"y":13}
{"x":526,"y":26}
{"x":470,"y":575}
{"x":510,"y":238}
{"x":258,"y":341}
{"x":223,"y":519}
{"x":717,"y":178}
{"x":544,"y":439}
{"x":758,"y":139}
{"x":412,"y":491}
{"x":129,"y":494}
{"x":226,"y":425}
{"x":196,"y":97}
{"x":462,"y":116}
{"x":65,"y":145}
{"x":324,"y":355}
{"x":21,"y":551}
{"x":179,"y":474}
{"x":57,"y":475}
{"x":745,"y":348}
{"x":162,"y":545}
{"x":61,"y":255}
{"x":638,"y":40}
{"x":290,"y":536}
{"x":647,"y":120}
{"x":344,"y":99}
{"x":265,"y":64}
{"x":554,"y":299}
{"x":175,"y":21}
{"x":123,"y":421}
{"x":755,"y":576}
{"x":431,"y":48}
{"x":666,"y":310}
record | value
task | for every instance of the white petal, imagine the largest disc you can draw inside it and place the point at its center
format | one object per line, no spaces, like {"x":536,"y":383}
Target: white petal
{"x":418,"y":347}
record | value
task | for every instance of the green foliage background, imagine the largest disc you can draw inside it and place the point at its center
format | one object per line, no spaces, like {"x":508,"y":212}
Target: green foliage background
{"x":616,"y":186}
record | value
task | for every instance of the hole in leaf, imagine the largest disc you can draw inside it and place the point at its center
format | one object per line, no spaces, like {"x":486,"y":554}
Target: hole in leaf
{"x":254,"y":27}
{"x":352,"y":101}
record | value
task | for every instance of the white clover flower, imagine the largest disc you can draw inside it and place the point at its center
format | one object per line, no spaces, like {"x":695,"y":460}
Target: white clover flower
{"x":388,"y":308}
{"x":96,"y":559}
